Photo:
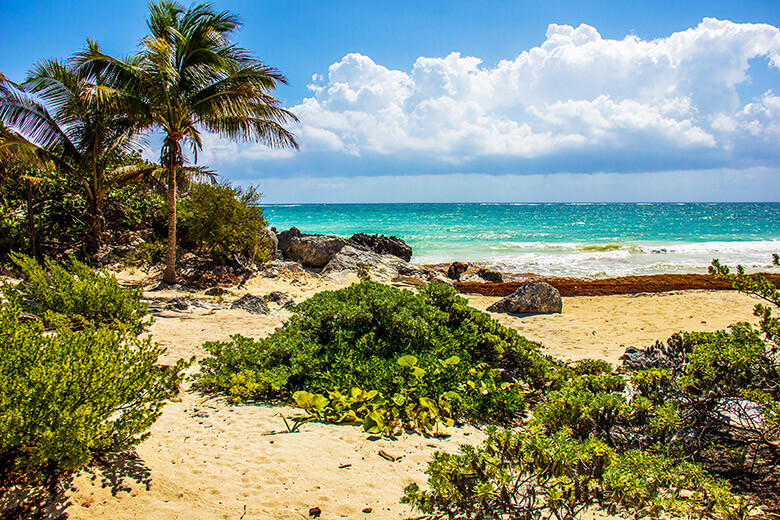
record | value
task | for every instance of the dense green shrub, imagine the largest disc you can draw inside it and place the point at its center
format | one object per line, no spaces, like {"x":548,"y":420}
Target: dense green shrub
{"x":77,"y":294}
{"x":67,"y":395}
{"x":532,"y":475}
{"x":223,"y":221}
{"x":642,"y":443}
{"x":355,"y":337}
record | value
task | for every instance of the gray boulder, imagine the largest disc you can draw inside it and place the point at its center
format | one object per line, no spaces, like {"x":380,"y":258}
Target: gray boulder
{"x":314,"y":250}
{"x":533,"y":297}
{"x":284,"y":239}
{"x":382,"y":268}
{"x":252,"y":304}
{"x":283,"y":299}
{"x":381,"y":244}
{"x":276,"y":253}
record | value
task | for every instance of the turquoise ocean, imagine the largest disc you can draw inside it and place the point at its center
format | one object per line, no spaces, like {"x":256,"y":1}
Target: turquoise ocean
{"x":559,"y":239}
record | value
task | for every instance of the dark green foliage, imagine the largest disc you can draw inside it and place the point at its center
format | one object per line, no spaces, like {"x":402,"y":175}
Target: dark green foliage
{"x":68,"y":395}
{"x":639,"y":444}
{"x":224,"y":222}
{"x":354,"y":337}
{"x":75,"y":293}
{"x":530,"y":475}
{"x":59,"y":217}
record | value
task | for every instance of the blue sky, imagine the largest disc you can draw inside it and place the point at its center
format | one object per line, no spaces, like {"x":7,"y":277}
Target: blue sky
{"x":485,"y":101}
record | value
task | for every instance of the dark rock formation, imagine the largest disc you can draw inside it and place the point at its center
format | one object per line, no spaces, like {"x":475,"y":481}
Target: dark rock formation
{"x":314,"y":250}
{"x":284,"y":239}
{"x":216,"y":291}
{"x":490,"y":276}
{"x":283,"y":299}
{"x":381,"y":267}
{"x":661,"y":355}
{"x":275,"y":252}
{"x":533,"y":297}
{"x":252,"y":304}
{"x":382,"y":245}
{"x":456,"y":269}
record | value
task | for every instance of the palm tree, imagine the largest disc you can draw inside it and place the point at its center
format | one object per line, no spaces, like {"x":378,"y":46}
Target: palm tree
{"x":54,"y":118}
{"x":191,"y":78}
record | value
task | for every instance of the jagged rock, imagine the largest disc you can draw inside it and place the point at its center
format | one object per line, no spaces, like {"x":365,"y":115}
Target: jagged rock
{"x":179,"y":304}
{"x":490,"y":276}
{"x":383,"y":268}
{"x":284,"y":300}
{"x":533,"y":297}
{"x":456,"y":269}
{"x":314,"y":250}
{"x":276,"y":253}
{"x":660,"y":355}
{"x":252,"y":304}
{"x":216,"y":291}
{"x":382,"y":245}
{"x":284,"y":239}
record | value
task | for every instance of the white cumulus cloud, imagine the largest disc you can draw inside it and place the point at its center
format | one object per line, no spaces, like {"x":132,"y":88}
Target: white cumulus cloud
{"x":575,"y":93}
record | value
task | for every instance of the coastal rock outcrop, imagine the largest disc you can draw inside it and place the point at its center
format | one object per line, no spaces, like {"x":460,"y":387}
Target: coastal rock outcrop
{"x":533,"y":297}
{"x":490,"y":276}
{"x":282,"y":299}
{"x":273,"y":246}
{"x":284,"y":239}
{"x":252,"y":304}
{"x":381,"y":267}
{"x":314,"y":250}
{"x":381,"y":244}
{"x":456,"y":269}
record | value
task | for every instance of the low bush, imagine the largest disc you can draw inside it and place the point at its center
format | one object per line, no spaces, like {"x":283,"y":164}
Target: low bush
{"x":67,"y":395}
{"x":645,"y":443}
{"x":362,"y":336}
{"x":75,"y":293}
{"x":223,"y":222}
{"x":532,"y":475}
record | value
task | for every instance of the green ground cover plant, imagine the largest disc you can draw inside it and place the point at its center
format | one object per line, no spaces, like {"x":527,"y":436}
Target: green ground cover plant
{"x":387,"y":358}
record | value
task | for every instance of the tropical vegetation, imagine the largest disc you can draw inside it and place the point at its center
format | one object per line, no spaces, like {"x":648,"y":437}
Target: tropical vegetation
{"x":190,"y":77}
{"x":79,"y":123}
{"x":89,"y":385}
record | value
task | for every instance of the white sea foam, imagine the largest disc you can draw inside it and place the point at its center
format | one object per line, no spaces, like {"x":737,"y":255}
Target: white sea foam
{"x":592,"y":260}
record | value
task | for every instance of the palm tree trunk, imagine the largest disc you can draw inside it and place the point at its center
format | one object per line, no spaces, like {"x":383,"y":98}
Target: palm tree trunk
{"x":95,"y":227}
{"x":170,"y":258}
{"x":30,"y":221}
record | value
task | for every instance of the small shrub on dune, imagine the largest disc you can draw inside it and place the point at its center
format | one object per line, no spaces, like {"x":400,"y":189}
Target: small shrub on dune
{"x":362,"y":337}
{"x":75,"y":293}
{"x":67,"y":395}
{"x":224,"y":222}
{"x":75,"y":379}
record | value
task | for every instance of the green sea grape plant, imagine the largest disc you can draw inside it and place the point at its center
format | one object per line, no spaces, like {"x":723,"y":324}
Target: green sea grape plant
{"x":365,"y":336}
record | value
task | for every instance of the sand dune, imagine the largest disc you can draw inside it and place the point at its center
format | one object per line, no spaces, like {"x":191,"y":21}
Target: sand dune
{"x":206,"y":458}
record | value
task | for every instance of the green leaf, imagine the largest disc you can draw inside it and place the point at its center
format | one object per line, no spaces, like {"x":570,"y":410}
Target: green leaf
{"x":407,"y":361}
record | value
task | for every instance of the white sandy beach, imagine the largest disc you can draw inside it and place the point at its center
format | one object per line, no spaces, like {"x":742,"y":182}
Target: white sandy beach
{"x":206,"y":458}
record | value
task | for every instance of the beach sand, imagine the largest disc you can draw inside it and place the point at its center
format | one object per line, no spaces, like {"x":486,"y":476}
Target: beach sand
{"x":206,"y":458}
